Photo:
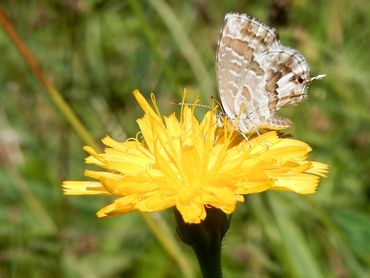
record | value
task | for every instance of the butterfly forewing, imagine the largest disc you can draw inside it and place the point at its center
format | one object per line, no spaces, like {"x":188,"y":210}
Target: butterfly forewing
{"x":240,"y":38}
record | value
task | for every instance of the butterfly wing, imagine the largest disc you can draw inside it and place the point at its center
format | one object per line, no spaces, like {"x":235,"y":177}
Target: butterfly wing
{"x":285,"y":81}
{"x":240,"y":39}
{"x":286,"y":76}
{"x":256,"y":75}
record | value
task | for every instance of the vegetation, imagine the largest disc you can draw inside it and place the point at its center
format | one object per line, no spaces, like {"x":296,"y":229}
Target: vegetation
{"x":96,"y":53}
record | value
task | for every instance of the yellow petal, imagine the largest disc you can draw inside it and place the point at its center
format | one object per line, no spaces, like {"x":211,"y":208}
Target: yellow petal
{"x":191,"y":165}
{"x":83,"y":188}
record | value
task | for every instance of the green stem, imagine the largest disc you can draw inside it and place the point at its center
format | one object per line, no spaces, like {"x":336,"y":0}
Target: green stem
{"x":206,"y":239}
{"x":209,"y":258}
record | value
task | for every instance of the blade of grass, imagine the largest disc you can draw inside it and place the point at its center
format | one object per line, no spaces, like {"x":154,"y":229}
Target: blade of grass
{"x":334,"y":233}
{"x":149,"y":36}
{"x":296,"y":252}
{"x":55,"y":96}
{"x":161,"y":230}
{"x":32,"y":201}
{"x":166,"y":239}
{"x":185,"y":45}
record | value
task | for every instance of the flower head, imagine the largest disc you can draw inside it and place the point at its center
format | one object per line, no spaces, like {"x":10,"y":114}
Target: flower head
{"x":191,"y":165}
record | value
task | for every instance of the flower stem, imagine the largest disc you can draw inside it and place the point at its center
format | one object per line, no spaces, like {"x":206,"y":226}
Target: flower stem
{"x":209,"y":258}
{"x":205,"y":238}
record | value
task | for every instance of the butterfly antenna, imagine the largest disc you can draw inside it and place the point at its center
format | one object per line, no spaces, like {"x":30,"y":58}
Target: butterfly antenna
{"x":246,"y":139}
{"x":191,"y":104}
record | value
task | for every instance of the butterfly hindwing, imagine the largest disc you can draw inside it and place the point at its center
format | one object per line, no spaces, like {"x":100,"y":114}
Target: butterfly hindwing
{"x":286,"y":76}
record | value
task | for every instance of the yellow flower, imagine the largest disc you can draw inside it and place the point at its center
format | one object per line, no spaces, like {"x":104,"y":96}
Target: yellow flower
{"x":192,"y":165}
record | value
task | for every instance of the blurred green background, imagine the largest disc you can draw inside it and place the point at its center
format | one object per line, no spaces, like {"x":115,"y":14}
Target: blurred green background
{"x":96,"y":53}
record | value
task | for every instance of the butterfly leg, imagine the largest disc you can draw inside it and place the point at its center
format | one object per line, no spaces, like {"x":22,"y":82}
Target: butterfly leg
{"x":246,"y":139}
{"x":259,"y":137}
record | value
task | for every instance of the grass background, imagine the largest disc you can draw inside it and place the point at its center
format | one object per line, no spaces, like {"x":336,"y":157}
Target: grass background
{"x":96,"y":53}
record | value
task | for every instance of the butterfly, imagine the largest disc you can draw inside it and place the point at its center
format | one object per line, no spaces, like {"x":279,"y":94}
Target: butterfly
{"x":257,"y":76}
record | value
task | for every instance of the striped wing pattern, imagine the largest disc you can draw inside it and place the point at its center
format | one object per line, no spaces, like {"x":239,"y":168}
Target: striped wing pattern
{"x":256,"y":75}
